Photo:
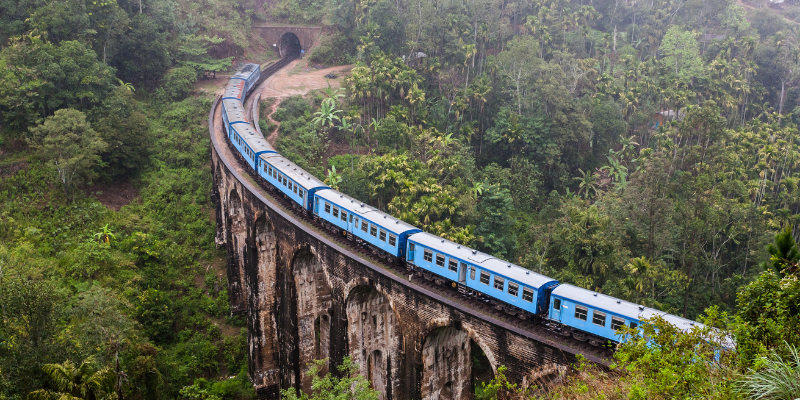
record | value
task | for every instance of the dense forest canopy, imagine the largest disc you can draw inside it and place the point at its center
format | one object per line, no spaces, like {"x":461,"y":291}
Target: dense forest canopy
{"x":646,"y":150}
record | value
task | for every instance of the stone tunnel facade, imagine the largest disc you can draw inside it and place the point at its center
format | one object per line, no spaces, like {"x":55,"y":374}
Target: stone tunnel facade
{"x":306,"y":298}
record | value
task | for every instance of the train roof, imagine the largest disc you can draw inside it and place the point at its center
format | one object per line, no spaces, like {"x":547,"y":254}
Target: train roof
{"x":234,"y":89}
{"x":235,"y":110}
{"x":619,"y":306}
{"x":483,"y":260}
{"x":253,"y":139}
{"x":246,"y":71}
{"x":291,"y":170}
{"x":599,"y":300}
{"x":367,"y":211}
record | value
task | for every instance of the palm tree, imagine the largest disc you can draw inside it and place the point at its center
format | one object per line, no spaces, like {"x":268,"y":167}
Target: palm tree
{"x":587,"y":183}
{"x":85,"y":382}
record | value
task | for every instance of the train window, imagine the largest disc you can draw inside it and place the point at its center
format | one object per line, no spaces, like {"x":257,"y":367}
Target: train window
{"x":274,"y":173}
{"x":428,"y":256}
{"x":452,"y":265}
{"x":373,"y":230}
{"x":285,"y":181}
{"x":290,"y":186}
{"x":344,"y":216}
{"x":527,"y":295}
{"x":484,"y":278}
{"x":335,"y":212}
{"x":392,"y":240}
{"x":411,"y":247}
{"x":499,"y":282}
{"x":513,"y":289}
{"x":617,"y":323}
{"x":440,"y":260}
{"x":472,"y":273}
{"x":633,"y":325}
{"x":363,"y":225}
{"x":300,"y":192}
{"x":580,"y":313}
{"x":265,"y":168}
{"x":351,"y":218}
{"x":295,"y":189}
{"x":382,"y":235}
{"x":556,"y":304}
{"x":599,"y":318}
{"x":328,"y":208}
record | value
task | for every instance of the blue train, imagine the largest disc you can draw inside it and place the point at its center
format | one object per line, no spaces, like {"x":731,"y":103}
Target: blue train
{"x":567,"y":309}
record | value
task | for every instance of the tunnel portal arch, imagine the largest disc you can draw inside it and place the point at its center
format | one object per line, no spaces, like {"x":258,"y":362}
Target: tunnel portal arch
{"x":289,"y":45}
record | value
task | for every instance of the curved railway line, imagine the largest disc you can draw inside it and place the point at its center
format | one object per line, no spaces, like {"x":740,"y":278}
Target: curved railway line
{"x":479,"y":307}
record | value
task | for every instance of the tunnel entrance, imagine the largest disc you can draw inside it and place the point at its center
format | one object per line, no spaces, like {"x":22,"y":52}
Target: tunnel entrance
{"x":290,"y":45}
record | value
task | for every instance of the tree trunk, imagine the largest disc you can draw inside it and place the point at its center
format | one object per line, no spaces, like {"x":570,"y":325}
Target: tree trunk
{"x":780,"y":104}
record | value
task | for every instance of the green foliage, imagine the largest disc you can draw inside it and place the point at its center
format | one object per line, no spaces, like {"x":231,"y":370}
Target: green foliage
{"x":665,"y":362}
{"x":776,"y":377}
{"x":70,"y":145}
{"x":85,"y":381}
{"x":177,"y":83}
{"x":43,"y":77}
{"x":499,"y":388}
{"x":496,"y":223}
{"x":238,"y":387}
{"x":347,"y":385}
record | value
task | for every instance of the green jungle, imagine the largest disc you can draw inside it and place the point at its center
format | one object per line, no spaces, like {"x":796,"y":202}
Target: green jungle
{"x":648,"y":150}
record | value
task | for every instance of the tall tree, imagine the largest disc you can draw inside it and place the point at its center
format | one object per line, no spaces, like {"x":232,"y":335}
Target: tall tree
{"x":70,"y":145}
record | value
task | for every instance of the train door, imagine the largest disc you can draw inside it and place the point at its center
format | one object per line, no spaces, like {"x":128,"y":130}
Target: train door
{"x":410,"y":251}
{"x":555,"y":313}
{"x":462,"y":274}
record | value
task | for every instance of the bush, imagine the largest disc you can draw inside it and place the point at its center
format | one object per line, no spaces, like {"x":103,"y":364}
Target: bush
{"x":177,"y":83}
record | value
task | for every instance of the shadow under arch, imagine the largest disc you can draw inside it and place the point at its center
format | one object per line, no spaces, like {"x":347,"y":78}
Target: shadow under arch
{"x":449,"y":350}
{"x":375,"y":340}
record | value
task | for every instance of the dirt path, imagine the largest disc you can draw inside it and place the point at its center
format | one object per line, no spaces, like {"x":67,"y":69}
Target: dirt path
{"x":282,"y":85}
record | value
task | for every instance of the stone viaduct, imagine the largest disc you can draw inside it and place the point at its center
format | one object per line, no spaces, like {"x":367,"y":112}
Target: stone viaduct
{"x":306,"y":298}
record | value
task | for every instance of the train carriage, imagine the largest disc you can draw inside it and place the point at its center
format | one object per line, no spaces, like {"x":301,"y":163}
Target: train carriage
{"x":364,"y":222}
{"x":249,"y":74}
{"x":235,"y":90}
{"x":249,"y":143}
{"x":587,"y":314}
{"x":232,"y":113}
{"x":293,"y":181}
{"x":480,"y":272}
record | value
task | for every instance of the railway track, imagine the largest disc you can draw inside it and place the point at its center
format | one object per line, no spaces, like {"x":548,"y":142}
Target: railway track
{"x":482,"y":305}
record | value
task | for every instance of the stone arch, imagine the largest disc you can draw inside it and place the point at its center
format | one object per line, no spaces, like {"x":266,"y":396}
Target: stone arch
{"x":236,"y":240}
{"x":289,"y":44}
{"x":306,"y":304}
{"x":374,"y":338}
{"x":260,"y":276}
{"x":447,"y":361}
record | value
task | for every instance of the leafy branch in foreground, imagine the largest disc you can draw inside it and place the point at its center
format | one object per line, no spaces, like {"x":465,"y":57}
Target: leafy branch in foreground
{"x":774,"y":377}
{"x":350,"y":386}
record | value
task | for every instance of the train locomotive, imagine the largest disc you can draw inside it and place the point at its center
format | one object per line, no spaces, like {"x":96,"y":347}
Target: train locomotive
{"x":564,"y":308}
